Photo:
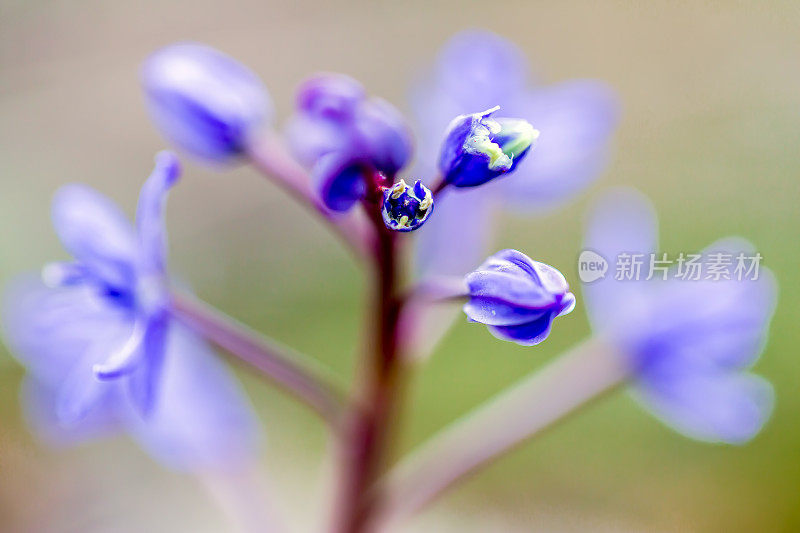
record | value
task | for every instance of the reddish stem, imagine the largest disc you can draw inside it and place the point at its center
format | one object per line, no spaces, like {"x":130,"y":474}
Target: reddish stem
{"x":367,"y":435}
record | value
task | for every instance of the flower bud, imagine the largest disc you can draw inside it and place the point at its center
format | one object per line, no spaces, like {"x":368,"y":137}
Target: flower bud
{"x":478,"y":148}
{"x":382,"y":135}
{"x":329,"y":95}
{"x":342,"y":181}
{"x":406,"y":208}
{"x":204,"y":101}
{"x":342,"y":134}
{"x":518,"y":298}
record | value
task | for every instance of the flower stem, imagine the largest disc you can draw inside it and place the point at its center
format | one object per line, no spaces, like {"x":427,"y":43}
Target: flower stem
{"x":296,"y":373}
{"x":367,"y":435}
{"x":269,"y":155}
{"x":524,"y":410}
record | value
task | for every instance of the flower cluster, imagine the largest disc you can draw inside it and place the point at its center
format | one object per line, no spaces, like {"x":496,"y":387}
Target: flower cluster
{"x":110,"y":343}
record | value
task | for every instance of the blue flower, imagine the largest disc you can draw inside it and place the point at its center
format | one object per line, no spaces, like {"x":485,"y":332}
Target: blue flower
{"x":478,"y":148}
{"x":102,"y":353}
{"x":518,"y":298}
{"x":204,"y":101}
{"x":345,"y":137}
{"x":478,"y":70}
{"x":689,"y":344}
{"x":406,"y":208}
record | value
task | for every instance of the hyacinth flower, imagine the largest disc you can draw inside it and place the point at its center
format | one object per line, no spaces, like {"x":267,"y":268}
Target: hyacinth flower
{"x":688,"y":343}
{"x":478,"y":70}
{"x":684,"y":347}
{"x":517,"y":297}
{"x":345,"y":138}
{"x":101,"y":349}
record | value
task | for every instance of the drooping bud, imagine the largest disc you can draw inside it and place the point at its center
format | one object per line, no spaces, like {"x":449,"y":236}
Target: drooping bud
{"x":342,"y":181}
{"x":204,"y":101}
{"x":478,"y":148}
{"x":382,"y":135}
{"x":406,"y":208}
{"x":518,"y":298}
{"x":329,"y":95}
{"x":340,"y":133}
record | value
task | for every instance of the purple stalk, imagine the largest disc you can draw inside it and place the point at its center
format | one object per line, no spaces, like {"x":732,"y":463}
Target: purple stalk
{"x":269,"y":155}
{"x":508,"y":420}
{"x":293,"y":372}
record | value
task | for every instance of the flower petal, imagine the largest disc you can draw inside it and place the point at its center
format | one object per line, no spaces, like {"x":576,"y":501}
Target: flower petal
{"x":39,"y":405}
{"x":329,"y":94}
{"x":729,"y":408}
{"x":505,"y":287}
{"x":200,"y":419}
{"x":481,"y":69}
{"x":150,"y":212}
{"x":144,"y":380}
{"x":49,"y":330}
{"x":623,"y":220}
{"x":528,"y":334}
{"x":493,"y":312}
{"x":341,"y":181}
{"x":81,"y":392}
{"x":384,"y":137}
{"x":576,"y":120}
{"x":96,"y":233}
{"x":310,"y":138}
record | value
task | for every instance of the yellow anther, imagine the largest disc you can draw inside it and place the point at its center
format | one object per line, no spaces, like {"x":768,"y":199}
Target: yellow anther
{"x":398,"y":189}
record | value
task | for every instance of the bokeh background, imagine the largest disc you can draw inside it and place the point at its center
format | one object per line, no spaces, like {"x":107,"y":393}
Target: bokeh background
{"x":710,"y":131}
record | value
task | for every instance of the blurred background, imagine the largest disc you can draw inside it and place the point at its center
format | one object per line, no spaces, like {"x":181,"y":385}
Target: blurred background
{"x":710,"y":131}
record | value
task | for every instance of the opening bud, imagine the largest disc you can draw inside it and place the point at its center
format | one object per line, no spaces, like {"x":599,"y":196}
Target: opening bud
{"x":479,"y":148}
{"x":406,"y":208}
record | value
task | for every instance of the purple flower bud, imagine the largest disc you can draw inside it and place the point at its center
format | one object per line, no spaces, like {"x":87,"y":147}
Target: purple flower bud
{"x":204,"y":101}
{"x":518,"y":298}
{"x":342,"y":181}
{"x":330,"y":95}
{"x":478,"y":148}
{"x":336,"y":125}
{"x":382,"y":135}
{"x":406,"y":208}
